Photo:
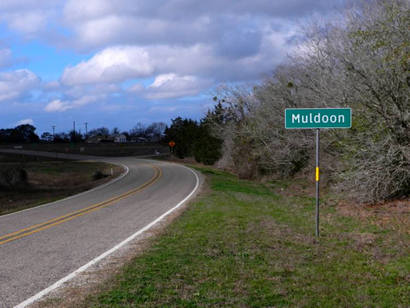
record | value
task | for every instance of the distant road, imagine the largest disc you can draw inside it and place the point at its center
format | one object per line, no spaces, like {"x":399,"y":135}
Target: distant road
{"x":42,"y":245}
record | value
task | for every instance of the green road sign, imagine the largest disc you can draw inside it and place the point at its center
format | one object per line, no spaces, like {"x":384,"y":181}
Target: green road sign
{"x":305,"y":118}
{"x":302,"y":118}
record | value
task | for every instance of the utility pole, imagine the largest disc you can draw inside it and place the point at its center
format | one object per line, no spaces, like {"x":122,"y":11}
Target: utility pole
{"x":73,"y":136}
{"x":86,"y":129}
{"x":54,"y":128}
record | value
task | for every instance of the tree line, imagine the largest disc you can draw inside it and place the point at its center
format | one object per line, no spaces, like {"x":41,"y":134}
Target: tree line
{"x":26,"y":133}
{"x":153,"y":132}
{"x":192,"y":138}
{"x":195,"y":139}
{"x":20,"y":134}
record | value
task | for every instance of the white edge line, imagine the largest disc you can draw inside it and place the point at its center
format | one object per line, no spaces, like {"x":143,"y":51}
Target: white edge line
{"x":76,"y":195}
{"x":57,"y":284}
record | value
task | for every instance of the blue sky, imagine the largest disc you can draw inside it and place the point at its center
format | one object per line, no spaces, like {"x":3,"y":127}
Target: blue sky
{"x":116,"y":63}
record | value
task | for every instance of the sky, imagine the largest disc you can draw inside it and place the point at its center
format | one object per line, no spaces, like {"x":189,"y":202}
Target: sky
{"x":117,"y":63}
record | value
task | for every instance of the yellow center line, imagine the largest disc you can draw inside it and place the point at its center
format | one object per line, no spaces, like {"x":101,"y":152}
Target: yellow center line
{"x":67,"y":217}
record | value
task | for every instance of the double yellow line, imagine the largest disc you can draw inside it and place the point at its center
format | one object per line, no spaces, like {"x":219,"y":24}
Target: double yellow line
{"x":67,"y":217}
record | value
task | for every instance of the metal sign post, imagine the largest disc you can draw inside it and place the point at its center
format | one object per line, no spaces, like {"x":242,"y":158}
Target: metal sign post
{"x":316,"y":118}
{"x":317,"y":180}
{"x":171,"y":146}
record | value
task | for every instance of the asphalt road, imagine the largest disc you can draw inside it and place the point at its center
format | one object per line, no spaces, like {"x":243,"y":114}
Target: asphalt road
{"x":39,"y":246}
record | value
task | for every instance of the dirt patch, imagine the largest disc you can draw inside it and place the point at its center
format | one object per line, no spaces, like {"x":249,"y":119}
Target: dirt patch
{"x":390,"y":215}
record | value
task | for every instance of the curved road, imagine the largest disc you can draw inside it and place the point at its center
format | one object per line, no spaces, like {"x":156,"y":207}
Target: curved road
{"x":40,"y":246}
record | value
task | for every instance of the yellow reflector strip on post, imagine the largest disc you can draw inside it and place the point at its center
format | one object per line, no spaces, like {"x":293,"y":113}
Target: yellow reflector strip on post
{"x":317,"y":174}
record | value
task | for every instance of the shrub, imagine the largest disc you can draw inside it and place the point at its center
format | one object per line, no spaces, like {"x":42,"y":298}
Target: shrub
{"x":98,"y":175}
{"x":13,"y":178}
{"x":207,"y":149}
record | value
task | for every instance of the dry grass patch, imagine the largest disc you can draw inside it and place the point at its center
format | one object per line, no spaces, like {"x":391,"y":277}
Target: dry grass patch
{"x":50,"y":180}
{"x":392,"y":215}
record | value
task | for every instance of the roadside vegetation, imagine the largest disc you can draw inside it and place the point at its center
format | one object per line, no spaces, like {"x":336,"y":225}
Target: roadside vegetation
{"x":27,"y":181}
{"x":360,"y":60}
{"x":193,"y":139}
{"x":244,"y":244}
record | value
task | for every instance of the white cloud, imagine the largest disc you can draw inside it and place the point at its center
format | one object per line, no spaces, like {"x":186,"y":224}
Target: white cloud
{"x":57,"y":106}
{"x":198,"y":59}
{"x":185,"y":46}
{"x":72,"y":102}
{"x":17,"y":5}
{"x":17,"y":83}
{"x":100,"y":23}
{"x":26,"y":22}
{"x":5,"y":57}
{"x":25,"y":121}
{"x":28,"y":17}
{"x":51,"y":85}
{"x":171,"y":85}
{"x":119,"y":63}
{"x":75,"y":10}
{"x":73,"y":97}
{"x":112,"y":64}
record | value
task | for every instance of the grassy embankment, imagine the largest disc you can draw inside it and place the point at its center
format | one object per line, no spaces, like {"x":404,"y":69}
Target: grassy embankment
{"x":50,"y":180}
{"x":243,"y":244}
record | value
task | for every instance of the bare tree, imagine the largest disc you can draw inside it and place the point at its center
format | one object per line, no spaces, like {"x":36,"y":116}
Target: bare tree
{"x":361,"y":61}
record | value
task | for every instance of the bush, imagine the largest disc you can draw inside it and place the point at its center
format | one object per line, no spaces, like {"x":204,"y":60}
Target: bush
{"x":99,"y":175}
{"x":13,"y":178}
{"x":207,"y":149}
{"x":378,"y":172}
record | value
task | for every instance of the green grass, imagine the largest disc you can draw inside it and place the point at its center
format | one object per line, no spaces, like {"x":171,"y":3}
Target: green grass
{"x":245,"y":245}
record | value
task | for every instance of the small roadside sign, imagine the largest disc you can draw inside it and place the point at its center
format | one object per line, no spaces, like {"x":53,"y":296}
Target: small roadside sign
{"x":305,"y":118}
{"x":317,"y":118}
{"x":171,"y":143}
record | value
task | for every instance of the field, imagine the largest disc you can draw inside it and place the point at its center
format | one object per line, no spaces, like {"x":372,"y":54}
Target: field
{"x":244,"y":244}
{"x":49,"y":180}
{"x":101,"y":149}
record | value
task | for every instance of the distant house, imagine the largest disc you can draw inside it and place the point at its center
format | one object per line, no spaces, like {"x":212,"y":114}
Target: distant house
{"x":120,"y":138}
{"x":139,"y":140}
{"x":94,"y":139}
{"x":106,"y":139}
